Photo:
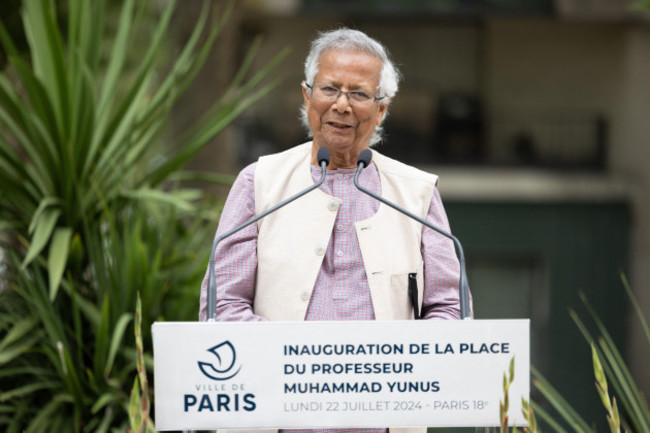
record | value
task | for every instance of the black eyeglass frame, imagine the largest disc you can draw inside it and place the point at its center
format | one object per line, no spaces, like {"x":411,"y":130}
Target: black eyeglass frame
{"x":347,"y":94}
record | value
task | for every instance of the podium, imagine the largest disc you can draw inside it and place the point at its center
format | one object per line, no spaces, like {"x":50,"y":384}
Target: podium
{"x":237,"y":375}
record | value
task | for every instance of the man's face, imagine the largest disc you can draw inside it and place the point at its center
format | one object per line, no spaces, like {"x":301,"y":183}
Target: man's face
{"x":341,"y":127}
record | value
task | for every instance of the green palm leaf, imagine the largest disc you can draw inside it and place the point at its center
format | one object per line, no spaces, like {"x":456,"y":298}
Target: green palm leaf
{"x":43,"y":228}
{"x":88,"y":220}
{"x":58,"y":257}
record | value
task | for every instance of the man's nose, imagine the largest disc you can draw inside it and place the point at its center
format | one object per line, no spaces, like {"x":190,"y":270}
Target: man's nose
{"x":342,"y":102}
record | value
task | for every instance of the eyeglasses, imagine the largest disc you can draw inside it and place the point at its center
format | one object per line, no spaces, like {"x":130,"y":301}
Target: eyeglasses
{"x":359,"y":98}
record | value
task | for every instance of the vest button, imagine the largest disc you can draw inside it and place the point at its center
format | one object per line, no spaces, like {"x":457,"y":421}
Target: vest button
{"x":332,"y":205}
{"x":304,"y":296}
{"x":320,"y":251}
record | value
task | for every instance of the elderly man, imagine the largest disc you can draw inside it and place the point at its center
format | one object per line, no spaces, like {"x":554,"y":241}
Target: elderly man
{"x":336,"y":253}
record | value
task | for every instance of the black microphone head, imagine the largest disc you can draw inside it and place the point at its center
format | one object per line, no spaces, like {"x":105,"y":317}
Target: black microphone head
{"x":364,"y":157}
{"x":323,"y":155}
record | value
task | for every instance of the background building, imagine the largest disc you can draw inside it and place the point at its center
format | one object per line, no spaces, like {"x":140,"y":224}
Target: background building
{"x":534,"y":114}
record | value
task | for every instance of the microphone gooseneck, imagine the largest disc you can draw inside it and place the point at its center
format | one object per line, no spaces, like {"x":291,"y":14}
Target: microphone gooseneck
{"x":323,"y":158}
{"x":363,"y":160}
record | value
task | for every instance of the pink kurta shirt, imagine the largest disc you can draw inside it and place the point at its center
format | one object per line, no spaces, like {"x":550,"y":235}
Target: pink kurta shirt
{"x":341,"y":290}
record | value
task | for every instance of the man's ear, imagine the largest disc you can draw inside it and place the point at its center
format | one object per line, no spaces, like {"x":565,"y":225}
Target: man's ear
{"x":383,"y":109}
{"x":305,"y":95}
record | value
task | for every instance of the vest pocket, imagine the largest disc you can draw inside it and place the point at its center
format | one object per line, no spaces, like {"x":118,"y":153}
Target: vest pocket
{"x":399,"y":298}
{"x":400,"y":302}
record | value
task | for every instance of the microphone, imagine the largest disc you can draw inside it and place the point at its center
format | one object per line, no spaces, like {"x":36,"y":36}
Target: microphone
{"x":363,"y":160}
{"x":323,"y":158}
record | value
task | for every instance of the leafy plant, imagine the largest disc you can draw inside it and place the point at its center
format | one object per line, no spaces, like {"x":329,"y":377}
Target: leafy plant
{"x":613,"y":418}
{"x":139,"y":406}
{"x":504,"y":405}
{"x":633,"y":405}
{"x":91,"y":208}
{"x":607,"y":362}
{"x":529,"y":416}
{"x":633,"y":412}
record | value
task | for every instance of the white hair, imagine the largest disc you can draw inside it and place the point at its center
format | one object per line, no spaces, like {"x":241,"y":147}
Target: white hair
{"x":352,"y":40}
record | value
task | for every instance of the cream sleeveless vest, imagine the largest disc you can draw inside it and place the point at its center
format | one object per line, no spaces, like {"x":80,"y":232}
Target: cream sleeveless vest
{"x":292,"y":241}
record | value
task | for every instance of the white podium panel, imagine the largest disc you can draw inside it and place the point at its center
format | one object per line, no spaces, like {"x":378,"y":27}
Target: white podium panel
{"x":337,"y":374}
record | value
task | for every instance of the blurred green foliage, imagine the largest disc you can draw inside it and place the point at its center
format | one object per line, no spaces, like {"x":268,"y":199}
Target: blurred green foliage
{"x":92,"y":208}
{"x":628,"y":408}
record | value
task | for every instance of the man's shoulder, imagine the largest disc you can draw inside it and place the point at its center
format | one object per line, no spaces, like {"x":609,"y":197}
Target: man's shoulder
{"x":288,"y":162}
{"x":279,"y":174}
